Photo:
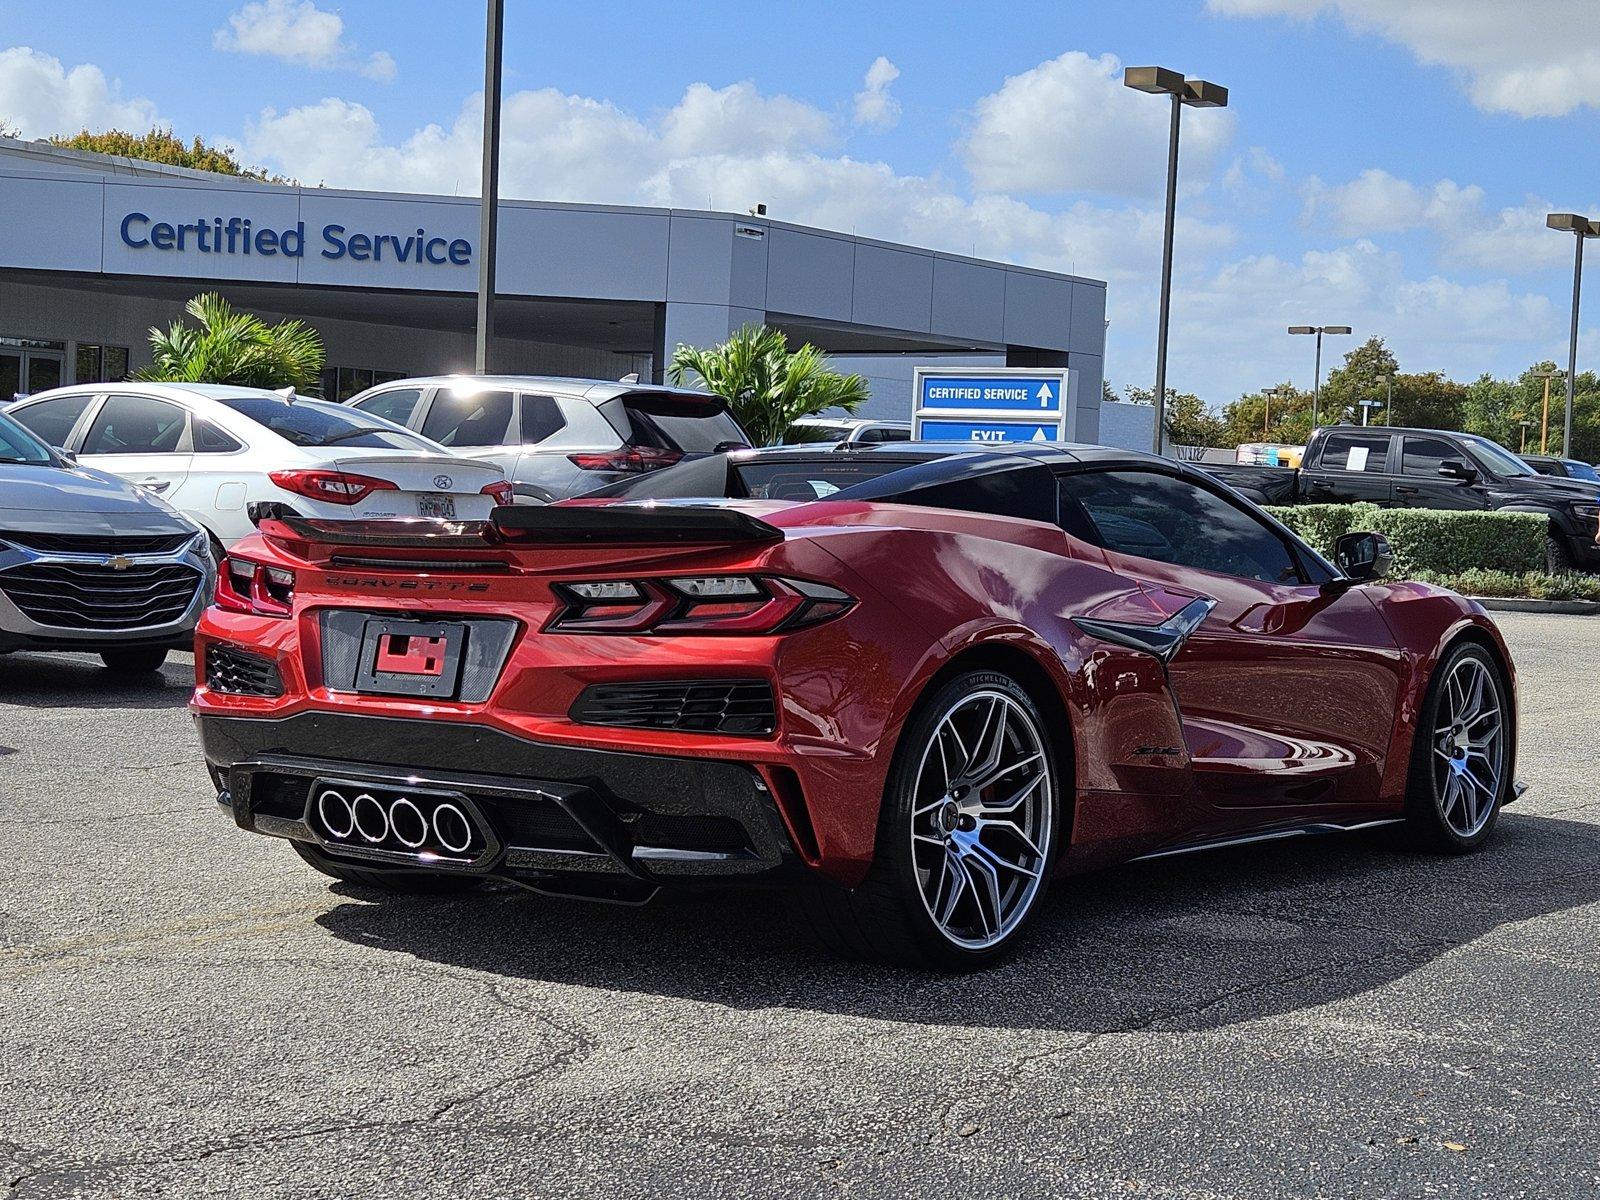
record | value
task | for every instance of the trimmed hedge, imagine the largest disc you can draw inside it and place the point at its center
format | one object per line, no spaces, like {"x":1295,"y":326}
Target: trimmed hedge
{"x":1534,"y":585}
{"x":1441,"y":541}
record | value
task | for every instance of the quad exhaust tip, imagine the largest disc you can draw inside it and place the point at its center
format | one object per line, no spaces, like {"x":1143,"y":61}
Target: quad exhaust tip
{"x":401,"y":821}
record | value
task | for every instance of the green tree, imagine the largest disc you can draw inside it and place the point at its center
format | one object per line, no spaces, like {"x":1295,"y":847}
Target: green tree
{"x":1427,"y":401}
{"x":1283,"y":417}
{"x":767,"y":386}
{"x":162,"y":146}
{"x":1189,"y":421}
{"x":227,"y":346}
{"x":1361,"y":377}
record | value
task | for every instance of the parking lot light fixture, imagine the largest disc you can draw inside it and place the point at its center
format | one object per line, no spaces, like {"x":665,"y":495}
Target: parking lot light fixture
{"x":1316,"y":382}
{"x":1544,"y":422}
{"x":1580,"y":227}
{"x":1196,"y":93}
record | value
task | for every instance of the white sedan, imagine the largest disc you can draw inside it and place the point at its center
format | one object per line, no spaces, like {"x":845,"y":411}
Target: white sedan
{"x":216,"y":453}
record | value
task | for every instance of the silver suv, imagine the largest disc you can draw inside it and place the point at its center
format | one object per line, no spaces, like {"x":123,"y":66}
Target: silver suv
{"x":557,"y":437}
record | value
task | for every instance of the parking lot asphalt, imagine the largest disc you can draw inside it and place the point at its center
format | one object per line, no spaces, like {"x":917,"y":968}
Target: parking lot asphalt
{"x":187,"y":1010}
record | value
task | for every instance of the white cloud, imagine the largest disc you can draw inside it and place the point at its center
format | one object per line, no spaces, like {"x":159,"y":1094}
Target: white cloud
{"x":1070,"y":125}
{"x":1430,"y":323}
{"x":875,"y":108}
{"x":40,"y":97}
{"x":726,"y":148}
{"x":1532,"y":58}
{"x":1378,"y":202}
{"x":297,"y":31}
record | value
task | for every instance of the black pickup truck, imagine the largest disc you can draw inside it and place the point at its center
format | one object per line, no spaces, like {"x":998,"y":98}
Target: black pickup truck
{"x":1430,"y":468}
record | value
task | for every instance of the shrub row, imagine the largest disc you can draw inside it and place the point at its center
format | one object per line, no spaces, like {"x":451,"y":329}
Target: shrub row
{"x":1440,"y":541}
{"x":1533,"y":585}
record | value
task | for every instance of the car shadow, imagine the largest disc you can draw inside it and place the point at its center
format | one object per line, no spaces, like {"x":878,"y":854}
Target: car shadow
{"x":46,"y":680}
{"x":1199,"y":941}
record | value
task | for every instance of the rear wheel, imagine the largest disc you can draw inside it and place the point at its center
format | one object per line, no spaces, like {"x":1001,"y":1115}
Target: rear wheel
{"x":1557,"y":556}
{"x":134,"y":660}
{"x":433,"y":883}
{"x":966,"y":836}
{"x":1461,"y":762}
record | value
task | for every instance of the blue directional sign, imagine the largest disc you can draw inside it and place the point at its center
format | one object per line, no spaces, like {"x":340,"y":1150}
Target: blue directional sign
{"x":934,"y":430}
{"x":994,"y":393}
{"x":993,"y":404}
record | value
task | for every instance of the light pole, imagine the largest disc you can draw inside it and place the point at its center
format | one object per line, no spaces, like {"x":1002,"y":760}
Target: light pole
{"x":1580,"y":228}
{"x":1544,"y":424}
{"x":1526,"y":425}
{"x":1267,"y":393}
{"x":1316,"y":384}
{"x":1197,"y":93}
{"x":489,"y":211}
{"x":1388,"y":402}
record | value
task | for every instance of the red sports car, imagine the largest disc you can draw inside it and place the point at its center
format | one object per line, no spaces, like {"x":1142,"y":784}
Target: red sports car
{"x":918,"y":683}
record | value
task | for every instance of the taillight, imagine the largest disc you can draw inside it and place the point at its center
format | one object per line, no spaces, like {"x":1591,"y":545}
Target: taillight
{"x":335,"y":487}
{"x":502,"y":492}
{"x":630,"y":459}
{"x":747,"y":604}
{"x":251,"y":587}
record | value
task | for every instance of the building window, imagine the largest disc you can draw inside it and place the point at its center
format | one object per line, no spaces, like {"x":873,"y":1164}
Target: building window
{"x":340,"y":383}
{"x":101,"y":364}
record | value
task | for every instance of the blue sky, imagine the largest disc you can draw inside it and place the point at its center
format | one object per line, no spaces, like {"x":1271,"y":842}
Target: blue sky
{"x":1383,"y":163}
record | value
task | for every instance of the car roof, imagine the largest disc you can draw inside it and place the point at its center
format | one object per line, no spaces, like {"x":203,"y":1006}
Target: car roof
{"x":204,"y":391}
{"x":853,"y":422}
{"x":595,"y":390}
{"x":1045,"y":452}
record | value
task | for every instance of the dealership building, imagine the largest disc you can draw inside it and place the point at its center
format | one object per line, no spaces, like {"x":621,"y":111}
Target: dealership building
{"x":95,"y":250}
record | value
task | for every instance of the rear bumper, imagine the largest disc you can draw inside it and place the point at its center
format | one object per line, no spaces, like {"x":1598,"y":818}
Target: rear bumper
{"x":560,"y":818}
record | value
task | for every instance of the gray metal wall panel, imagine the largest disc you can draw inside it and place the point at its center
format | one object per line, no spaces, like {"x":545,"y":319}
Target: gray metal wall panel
{"x":597,"y":254}
{"x":1088,"y":318}
{"x":701,"y":260}
{"x":969,"y":300}
{"x":892,"y":289}
{"x":810,"y":275}
{"x":747,"y":283}
{"x":1038,"y":311}
{"x":62,"y":230}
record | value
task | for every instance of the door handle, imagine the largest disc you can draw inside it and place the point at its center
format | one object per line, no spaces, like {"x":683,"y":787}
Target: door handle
{"x":1321,"y":483}
{"x":1404,"y":491}
{"x":155,"y":485}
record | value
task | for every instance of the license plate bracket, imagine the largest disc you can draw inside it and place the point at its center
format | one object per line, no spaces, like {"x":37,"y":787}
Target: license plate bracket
{"x":411,"y":658}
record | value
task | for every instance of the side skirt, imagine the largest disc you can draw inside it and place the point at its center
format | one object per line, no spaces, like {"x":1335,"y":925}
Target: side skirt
{"x":1274,"y":835}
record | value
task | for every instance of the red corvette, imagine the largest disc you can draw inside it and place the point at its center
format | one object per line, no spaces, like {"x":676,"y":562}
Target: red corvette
{"x":917,"y":682}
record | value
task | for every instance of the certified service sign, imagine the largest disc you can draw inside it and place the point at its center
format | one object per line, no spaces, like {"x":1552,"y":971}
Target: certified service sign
{"x":994,"y":404}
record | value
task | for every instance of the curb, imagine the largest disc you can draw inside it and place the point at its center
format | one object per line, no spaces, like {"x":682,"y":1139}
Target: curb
{"x":1573,"y":608}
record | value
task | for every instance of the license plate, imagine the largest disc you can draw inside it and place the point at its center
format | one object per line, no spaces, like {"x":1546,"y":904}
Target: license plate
{"x":411,"y":658}
{"x":443,"y":507}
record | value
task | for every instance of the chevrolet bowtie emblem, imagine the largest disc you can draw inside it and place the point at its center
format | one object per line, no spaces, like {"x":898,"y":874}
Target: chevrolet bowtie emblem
{"x":119,"y":562}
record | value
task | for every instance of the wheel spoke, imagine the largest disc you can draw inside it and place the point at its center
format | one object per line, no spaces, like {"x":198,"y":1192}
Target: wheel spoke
{"x":973,"y":846}
{"x":999,"y":773}
{"x":985,"y":881}
{"x":1016,"y":800}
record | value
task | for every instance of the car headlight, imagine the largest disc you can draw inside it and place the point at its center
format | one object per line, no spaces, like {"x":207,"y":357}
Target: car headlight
{"x":1586,"y":512}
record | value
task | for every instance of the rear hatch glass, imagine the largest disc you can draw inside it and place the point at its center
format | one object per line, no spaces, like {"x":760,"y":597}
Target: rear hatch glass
{"x":665,"y":421}
{"x":811,"y":479}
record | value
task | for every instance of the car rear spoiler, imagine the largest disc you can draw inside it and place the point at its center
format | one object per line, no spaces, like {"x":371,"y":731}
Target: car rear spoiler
{"x":616,"y":524}
{"x":632,"y":524}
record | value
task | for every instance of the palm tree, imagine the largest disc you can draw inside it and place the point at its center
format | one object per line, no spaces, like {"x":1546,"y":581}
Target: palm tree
{"x":227,"y":346}
{"x":767,"y":386}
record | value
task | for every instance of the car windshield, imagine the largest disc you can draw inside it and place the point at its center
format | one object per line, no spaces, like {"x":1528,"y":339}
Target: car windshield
{"x":17,"y":445}
{"x":1492,"y":456}
{"x":315,"y":423}
{"x":1581,"y":470}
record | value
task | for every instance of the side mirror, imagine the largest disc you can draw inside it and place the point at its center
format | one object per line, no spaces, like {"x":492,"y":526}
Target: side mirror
{"x":1454,"y":468}
{"x":1363,"y":556}
{"x":70,"y":456}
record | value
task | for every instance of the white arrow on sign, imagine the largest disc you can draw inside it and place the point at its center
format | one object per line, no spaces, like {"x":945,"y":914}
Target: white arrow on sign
{"x":1038,"y":434}
{"x":1044,"y":395}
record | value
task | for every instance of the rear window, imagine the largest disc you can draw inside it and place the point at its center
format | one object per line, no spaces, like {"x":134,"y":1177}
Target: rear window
{"x":814,"y":479}
{"x":670,"y":422}
{"x":800,"y":435}
{"x":314,"y":423}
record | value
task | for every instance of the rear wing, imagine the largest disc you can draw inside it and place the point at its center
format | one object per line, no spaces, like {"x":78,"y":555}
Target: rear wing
{"x":549,"y":525}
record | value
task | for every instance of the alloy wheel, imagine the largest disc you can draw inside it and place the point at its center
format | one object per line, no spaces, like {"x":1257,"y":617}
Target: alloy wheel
{"x":981,"y":819}
{"x":1469,"y":747}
